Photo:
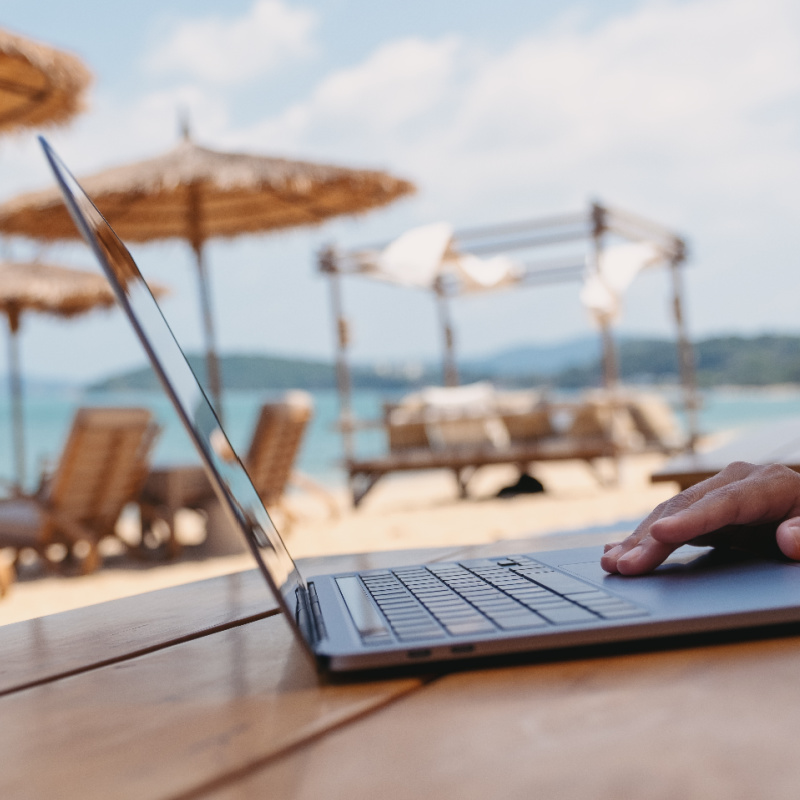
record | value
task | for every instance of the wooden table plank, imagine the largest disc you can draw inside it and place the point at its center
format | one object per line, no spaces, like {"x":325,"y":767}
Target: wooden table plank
{"x":43,"y":649}
{"x":60,"y":644}
{"x":702,"y":722}
{"x":774,"y":442}
{"x":168,"y":722}
{"x":711,"y":722}
{"x":154,"y":721}
{"x":240,"y":712}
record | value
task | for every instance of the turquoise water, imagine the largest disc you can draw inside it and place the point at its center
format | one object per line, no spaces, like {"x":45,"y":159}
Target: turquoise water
{"x":47,"y":419}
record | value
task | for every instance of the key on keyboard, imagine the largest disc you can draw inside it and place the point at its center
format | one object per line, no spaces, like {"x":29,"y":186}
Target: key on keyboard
{"x":424,"y":602}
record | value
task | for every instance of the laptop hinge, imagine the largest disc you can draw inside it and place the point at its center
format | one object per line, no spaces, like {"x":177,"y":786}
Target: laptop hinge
{"x":309,"y":615}
{"x":316,"y":612}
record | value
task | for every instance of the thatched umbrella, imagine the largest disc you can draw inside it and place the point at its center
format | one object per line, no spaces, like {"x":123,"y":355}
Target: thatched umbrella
{"x":47,"y":288}
{"x":38,"y":85}
{"x":196,"y":194}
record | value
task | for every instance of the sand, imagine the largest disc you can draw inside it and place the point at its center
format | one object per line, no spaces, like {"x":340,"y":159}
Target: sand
{"x":406,"y":511}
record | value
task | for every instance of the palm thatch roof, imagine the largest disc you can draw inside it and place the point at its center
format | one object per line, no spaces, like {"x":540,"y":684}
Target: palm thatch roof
{"x":57,"y":290}
{"x":53,"y":289}
{"x":196,"y":193}
{"x":38,"y":84}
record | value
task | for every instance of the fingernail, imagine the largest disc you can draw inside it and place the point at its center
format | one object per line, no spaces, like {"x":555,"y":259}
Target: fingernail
{"x":632,"y":555}
{"x":793,"y":529}
{"x":613,"y":552}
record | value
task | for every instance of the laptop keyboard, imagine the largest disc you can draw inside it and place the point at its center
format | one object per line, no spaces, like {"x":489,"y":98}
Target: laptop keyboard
{"x":510,"y":595}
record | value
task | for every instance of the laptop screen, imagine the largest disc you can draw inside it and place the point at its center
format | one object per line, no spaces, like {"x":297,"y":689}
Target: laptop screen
{"x":225,"y":470}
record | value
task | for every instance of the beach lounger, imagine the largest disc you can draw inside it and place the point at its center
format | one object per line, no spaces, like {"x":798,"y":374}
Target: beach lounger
{"x":102,"y":468}
{"x":275,"y":443}
{"x":274,"y":448}
{"x":463,"y":429}
{"x":270,"y":459}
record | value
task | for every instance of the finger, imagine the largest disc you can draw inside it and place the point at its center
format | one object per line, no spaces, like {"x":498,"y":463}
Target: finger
{"x":788,"y":538}
{"x":768,"y":493}
{"x":638,"y":539}
{"x":614,"y":550}
{"x":644,"y":557}
{"x":649,"y":554}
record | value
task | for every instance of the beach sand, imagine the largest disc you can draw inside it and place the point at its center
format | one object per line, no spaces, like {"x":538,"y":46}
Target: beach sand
{"x":404,"y":511}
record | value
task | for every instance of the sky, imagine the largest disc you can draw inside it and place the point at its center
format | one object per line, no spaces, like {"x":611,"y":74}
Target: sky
{"x":684,"y":111}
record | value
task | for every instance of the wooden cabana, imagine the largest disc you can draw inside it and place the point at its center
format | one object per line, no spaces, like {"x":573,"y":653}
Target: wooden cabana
{"x":601,"y":247}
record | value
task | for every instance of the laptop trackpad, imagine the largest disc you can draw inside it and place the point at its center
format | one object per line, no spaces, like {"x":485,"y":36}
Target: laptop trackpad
{"x":702,"y":580}
{"x":683,"y":558}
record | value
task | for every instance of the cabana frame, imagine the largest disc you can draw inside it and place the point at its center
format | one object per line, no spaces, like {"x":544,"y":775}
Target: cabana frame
{"x":542,"y":240}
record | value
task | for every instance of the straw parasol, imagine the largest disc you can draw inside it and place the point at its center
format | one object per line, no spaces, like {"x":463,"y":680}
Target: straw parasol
{"x":48,"y":288}
{"x":195,"y":193}
{"x":38,"y":85}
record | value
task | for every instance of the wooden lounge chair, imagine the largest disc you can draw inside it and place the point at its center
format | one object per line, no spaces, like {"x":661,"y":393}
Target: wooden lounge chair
{"x":274,"y":447}
{"x":102,"y":469}
{"x":270,"y":459}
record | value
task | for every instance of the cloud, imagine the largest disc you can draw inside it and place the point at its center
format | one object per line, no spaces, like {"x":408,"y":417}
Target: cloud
{"x":229,"y":51}
{"x":402,"y":83}
{"x":686,"y":112}
{"x":673,"y":99}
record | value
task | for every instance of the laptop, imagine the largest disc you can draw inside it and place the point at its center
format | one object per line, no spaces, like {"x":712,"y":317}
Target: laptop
{"x":440,"y":612}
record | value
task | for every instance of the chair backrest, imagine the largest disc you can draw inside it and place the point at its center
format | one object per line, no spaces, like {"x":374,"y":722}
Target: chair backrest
{"x":606,"y":420}
{"x":656,"y":421}
{"x":447,"y":418}
{"x":275,"y":443}
{"x":103,"y":465}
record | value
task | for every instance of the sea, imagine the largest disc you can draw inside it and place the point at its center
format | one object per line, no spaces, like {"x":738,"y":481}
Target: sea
{"x":48,"y":415}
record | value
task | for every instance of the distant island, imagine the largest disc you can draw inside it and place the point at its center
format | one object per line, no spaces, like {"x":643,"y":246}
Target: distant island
{"x":727,"y":360}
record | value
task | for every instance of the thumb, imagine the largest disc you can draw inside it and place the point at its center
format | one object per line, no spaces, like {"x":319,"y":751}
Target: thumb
{"x":788,"y":537}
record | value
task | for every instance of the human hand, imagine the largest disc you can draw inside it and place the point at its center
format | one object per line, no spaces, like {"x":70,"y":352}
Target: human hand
{"x":755,"y":507}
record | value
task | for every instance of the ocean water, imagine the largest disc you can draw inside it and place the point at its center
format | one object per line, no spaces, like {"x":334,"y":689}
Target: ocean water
{"x":48,"y":416}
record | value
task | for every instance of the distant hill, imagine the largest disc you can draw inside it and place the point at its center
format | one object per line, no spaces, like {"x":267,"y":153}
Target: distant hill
{"x":735,"y":360}
{"x":262,"y":372}
{"x":545,"y":360}
{"x":724,"y":360}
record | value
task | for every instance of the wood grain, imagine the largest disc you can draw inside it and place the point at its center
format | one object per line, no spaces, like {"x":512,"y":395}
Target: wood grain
{"x":62,"y":644}
{"x":59,"y":644}
{"x":707,"y":723}
{"x":166,"y":723}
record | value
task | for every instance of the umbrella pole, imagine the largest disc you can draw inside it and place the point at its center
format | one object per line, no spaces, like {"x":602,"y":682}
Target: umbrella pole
{"x":685,"y":357}
{"x":610,"y":367}
{"x":15,"y":385}
{"x":212,"y":363}
{"x":450,"y":366}
{"x":343,"y":381}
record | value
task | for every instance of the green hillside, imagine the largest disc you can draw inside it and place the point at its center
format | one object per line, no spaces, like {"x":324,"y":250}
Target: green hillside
{"x":261,"y":372}
{"x":727,"y":360}
{"x":735,"y":360}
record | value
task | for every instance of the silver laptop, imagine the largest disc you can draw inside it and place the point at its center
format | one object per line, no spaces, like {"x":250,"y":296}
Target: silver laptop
{"x":444,"y":611}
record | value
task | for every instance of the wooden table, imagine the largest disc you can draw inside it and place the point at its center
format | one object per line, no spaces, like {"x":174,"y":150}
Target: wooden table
{"x":200,"y":692}
{"x":775,"y":442}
